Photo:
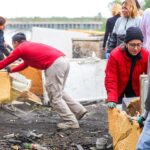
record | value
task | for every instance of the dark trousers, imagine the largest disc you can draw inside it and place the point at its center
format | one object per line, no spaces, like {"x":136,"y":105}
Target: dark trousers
{"x":4,"y":52}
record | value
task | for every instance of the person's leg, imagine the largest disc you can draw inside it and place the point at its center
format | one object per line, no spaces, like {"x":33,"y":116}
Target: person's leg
{"x":144,"y":140}
{"x":74,"y":105}
{"x":54,"y":86}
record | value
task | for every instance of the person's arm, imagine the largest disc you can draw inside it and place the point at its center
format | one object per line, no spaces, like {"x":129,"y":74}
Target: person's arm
{"x":107,"y":32}
{"x":147,"y":101}
{"x":19,"y":67}
{"x":10,"y":59}
{"x":111,"y":80}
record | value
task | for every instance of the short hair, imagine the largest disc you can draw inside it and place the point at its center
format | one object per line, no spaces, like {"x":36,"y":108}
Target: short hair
{"x":2,"y":20}
{"x":132,"y":8}
{"x":116,"y":9}
{"x":19,"y":37}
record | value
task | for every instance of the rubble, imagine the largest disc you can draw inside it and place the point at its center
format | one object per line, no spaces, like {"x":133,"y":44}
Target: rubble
{"x":40,"y":128}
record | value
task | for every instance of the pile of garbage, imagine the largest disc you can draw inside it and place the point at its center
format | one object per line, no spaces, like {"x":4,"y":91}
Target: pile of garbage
{"x":26,"y":140}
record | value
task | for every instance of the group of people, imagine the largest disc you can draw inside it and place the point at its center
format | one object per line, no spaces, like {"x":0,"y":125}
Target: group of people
{"x":127,"y":49}
{"x":128,"y":46}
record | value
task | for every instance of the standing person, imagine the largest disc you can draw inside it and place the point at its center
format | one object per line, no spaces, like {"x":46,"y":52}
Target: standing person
{"x":145,"y":27}
{"x":129,"y":18}
{"x":146,"y":44}
{"x":3,"y":49}
{"x":140,"y":11}
{"x":144,"y":141}
{"x":116,"y":12}
{"x":56,"y":68}
{"x":124,"y":67}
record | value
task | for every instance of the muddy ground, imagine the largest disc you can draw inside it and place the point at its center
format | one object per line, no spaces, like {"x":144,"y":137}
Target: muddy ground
{"x":42,"y":122}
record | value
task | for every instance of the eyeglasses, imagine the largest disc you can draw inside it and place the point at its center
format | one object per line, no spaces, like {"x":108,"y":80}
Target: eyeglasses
{"x":133,"y":45}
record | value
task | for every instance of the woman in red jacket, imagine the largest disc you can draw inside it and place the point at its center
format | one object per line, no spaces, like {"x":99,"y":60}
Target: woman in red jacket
{"x":125,"y":65}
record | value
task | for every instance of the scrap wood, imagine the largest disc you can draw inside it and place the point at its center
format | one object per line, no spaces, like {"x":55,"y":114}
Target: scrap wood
{"x":29,"y":96}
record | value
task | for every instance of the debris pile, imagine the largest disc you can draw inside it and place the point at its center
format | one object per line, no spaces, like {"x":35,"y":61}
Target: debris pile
{"x":25,"y":140}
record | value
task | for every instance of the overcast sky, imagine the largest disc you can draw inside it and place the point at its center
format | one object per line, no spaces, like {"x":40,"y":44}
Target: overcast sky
{"x":49,"y":8}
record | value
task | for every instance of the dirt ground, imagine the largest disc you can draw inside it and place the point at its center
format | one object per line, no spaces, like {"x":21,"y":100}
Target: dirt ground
{"x":39,"y":126}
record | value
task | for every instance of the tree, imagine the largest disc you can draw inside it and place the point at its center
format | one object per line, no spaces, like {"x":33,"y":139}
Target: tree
{"x":146,"y":4}
{"x":117,"y":1}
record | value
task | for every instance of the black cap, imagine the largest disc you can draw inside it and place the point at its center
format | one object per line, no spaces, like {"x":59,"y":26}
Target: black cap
{"x":133,"y":33}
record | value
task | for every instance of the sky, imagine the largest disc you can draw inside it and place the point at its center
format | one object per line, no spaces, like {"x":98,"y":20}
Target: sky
{"x":58,"y":8}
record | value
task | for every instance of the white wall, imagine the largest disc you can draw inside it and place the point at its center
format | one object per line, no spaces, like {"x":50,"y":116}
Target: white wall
{"x":60,"y":39}
{"x":85,"y":80}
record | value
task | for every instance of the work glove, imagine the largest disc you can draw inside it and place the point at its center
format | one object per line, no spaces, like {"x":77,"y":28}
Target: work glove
{"x":111,"y":105}
{"x":8,"y":69}
{"x":140,"y":120}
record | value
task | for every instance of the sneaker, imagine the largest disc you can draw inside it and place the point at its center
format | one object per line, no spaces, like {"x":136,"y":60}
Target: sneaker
{"x":68,"y":125}
{"x":81,"y":114}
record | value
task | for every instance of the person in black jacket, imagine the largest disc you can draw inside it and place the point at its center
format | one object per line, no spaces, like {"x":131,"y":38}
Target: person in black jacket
{"x":116,"y":12}
{"x":3,"y":49}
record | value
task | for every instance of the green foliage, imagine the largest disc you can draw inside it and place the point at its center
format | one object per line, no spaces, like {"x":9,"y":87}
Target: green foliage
{"x":113,"y":2}
{"x":103,"y":26}
{"x":146,"y":4}
{"x":117,"y":1}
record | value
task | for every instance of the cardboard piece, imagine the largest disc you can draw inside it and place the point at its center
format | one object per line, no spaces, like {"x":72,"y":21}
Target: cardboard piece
{"x":29,"y":96}
{"x":19,"y":84}
{"x":125,"y":133}
{"x":5,"y":86}
{"x":35,"y":76}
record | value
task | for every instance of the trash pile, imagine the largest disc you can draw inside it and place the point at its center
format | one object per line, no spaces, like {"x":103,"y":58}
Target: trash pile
{"x":26,"y":140}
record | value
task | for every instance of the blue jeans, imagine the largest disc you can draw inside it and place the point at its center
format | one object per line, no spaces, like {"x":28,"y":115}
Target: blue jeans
{"x":144,"y":140}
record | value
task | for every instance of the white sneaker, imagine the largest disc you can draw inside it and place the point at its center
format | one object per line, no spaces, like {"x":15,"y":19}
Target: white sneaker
{"x":68,"y":125}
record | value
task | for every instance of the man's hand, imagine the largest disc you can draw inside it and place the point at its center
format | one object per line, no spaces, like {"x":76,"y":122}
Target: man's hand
{"x":140,"y":120}
{"x":111,"y":105}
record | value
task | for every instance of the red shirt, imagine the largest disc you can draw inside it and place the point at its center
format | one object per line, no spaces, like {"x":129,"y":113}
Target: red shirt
{"x":118,"y":71}
{"x":36,"y":55}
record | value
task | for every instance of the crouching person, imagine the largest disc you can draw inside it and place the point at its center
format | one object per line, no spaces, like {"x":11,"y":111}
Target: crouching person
{"x":56,"y":68}
{"x":124,"y":67}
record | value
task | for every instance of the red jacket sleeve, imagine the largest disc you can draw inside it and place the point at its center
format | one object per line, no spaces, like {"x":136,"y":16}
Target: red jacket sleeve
{"x":10,"y":59}
{"x":111,"y":80}
{"x":19,"y":67}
